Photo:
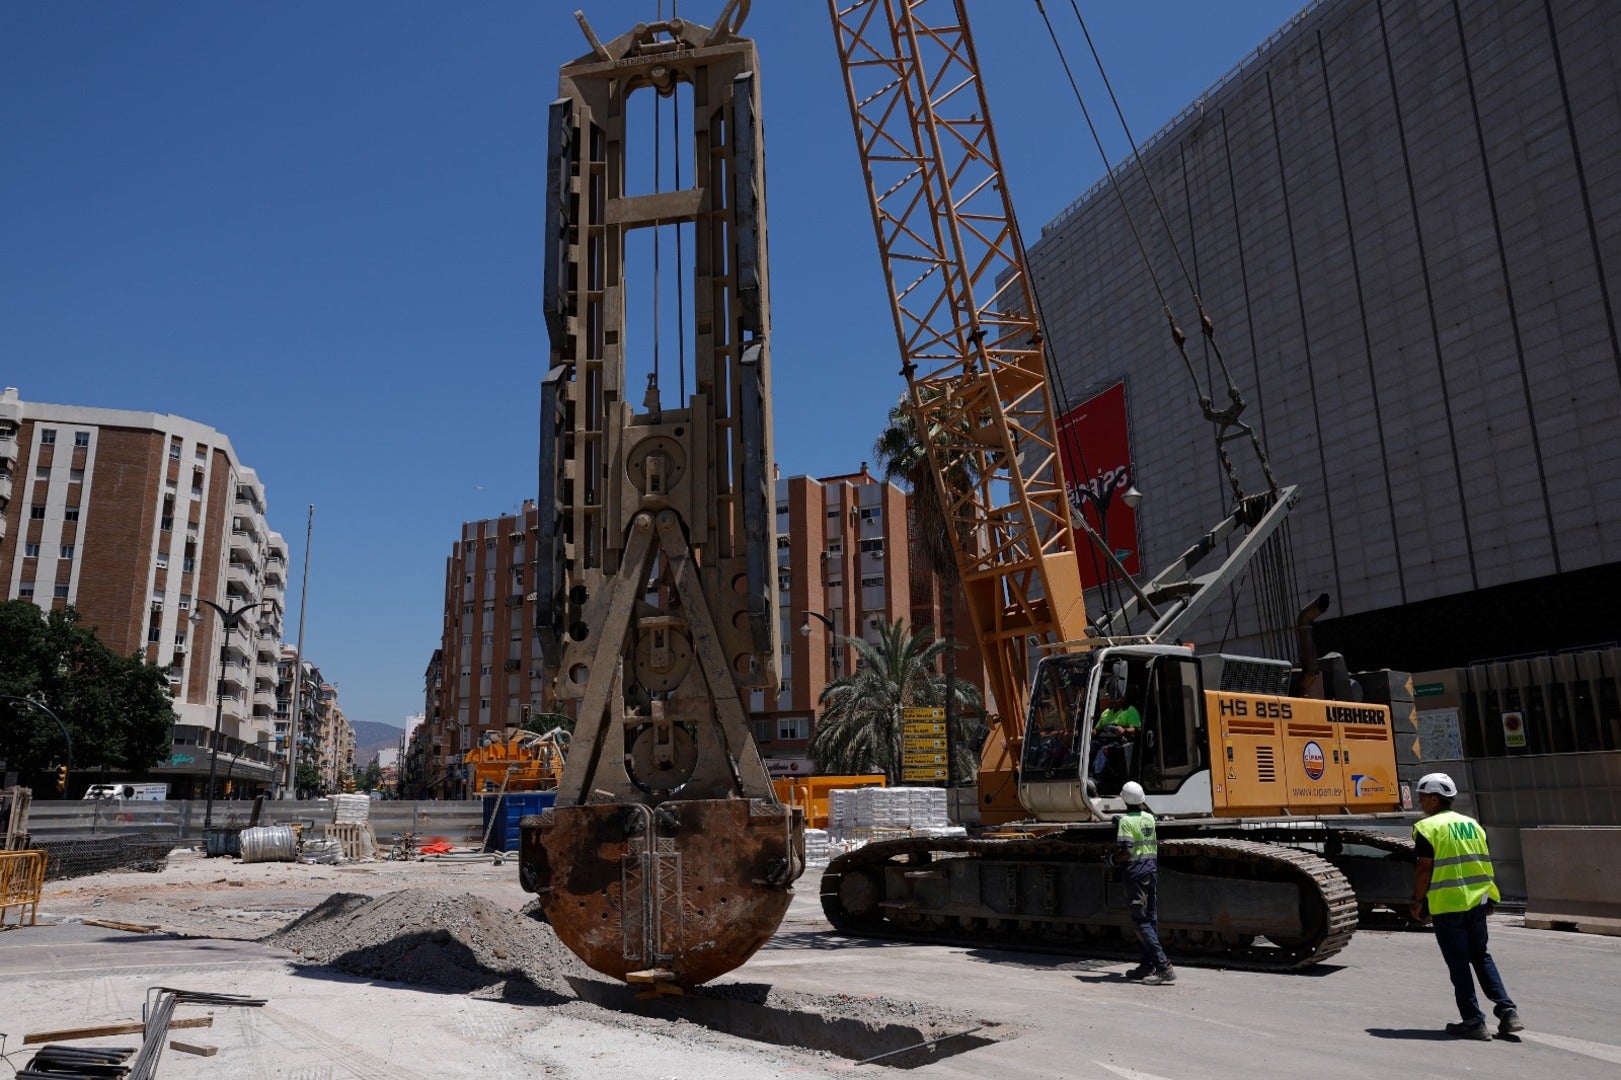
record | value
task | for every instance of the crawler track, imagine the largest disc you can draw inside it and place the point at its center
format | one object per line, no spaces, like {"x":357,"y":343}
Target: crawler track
{"x":1223,"y":902}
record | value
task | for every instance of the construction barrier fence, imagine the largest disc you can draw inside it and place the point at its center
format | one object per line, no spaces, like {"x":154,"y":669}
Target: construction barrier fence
{"x":22,"y":877}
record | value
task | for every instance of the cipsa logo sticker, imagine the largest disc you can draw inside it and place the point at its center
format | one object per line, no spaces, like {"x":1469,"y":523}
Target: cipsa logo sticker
{"x":1311,"y":756}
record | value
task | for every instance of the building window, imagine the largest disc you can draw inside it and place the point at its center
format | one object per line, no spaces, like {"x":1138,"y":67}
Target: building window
{"x":485,"y":670}
{"x":25,"y":590}
{"x":30,"y":551}
{"x":71,"y":514}
{"x":81,"y":438}
{"x":872,"y":513}
{"x":783,"y":542}
{"x":67,"y":551}
{"x":42,"y":472}
{"x":154,"y":634}
{"x":793,"y":727}
{"x":874,"y":547}
{"x":202,"y":452}
{"x":180,"y":641}
{"x":163,"y":561}
{"x":47,"y":436}
{"x":75,"y":476}
{"x":483,"y":703}
{"x":782,"y":508}
{"x":871,"y":582}
{"x":489,"y":639}
{"x":836,"y":548}
{"x":188,"y":564}
{"x":467,"y":608}
{"x":167,"y":523}
{"x":185,"y":601}
{"x":489,"y":605}
{"x":174,"y":451}
{"x":36,"y":512}
{"x":61,"y":592}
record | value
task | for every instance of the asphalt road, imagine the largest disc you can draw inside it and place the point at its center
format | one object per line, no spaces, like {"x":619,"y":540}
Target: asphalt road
{"x":1377,"y":1009}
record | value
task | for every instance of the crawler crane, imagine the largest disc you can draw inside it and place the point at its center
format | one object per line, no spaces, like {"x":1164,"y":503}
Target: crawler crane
{"x":1231,"y":762}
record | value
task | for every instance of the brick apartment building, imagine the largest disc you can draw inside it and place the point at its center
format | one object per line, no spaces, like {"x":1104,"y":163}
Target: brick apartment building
{"x":844,"y":553}
{"x":847,"y":553}
{"x":134,"y":519}
{"x":486,"y":668}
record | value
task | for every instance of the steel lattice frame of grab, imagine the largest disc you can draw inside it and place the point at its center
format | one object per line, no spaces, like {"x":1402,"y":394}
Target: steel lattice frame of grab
{"x":667,"y":855}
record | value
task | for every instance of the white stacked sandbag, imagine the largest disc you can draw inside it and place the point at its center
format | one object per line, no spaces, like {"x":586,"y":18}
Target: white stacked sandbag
{"x":351,"y":809}
{"x":872,"y":812}
{"x":818,"y":847}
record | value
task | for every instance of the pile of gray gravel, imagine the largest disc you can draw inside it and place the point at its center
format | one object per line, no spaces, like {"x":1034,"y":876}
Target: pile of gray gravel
{"x":448,"y":941}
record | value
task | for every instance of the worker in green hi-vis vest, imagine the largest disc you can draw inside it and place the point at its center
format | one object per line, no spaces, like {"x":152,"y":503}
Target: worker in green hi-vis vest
{"x":1453,"y":885}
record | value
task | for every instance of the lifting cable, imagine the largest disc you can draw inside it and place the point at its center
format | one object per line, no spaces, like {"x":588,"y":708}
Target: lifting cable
{"x":1229,"y":426}
{"x":1276,"y":581}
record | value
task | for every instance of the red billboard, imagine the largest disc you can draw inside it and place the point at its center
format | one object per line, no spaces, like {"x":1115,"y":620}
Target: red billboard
{"x":1097,"y":471}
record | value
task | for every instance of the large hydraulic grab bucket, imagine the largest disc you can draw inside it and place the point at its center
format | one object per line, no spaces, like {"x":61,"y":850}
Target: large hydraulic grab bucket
{"x":667,"y":852}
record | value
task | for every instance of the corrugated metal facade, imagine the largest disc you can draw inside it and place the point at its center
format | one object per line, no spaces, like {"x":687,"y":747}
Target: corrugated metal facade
{"x":1405,"y":221}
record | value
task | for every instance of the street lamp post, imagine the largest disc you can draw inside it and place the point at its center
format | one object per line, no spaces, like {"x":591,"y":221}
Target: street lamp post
{"x":230,"y":620}
{"x":42,"y":707}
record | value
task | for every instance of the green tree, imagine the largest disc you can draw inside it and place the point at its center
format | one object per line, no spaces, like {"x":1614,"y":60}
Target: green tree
{"x":370,"y":778}
{"x":117,"y":709}
{"x":902,"y":457}
{"x":307,"y":780}
{"x":860,"y":727}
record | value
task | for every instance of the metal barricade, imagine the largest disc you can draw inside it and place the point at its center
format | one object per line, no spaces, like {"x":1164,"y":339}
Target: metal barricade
{"x":22,"y":877}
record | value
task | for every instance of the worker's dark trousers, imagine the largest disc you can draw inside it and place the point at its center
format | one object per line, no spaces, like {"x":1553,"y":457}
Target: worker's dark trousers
{"x":1462,"y":937}
{"x":1145,"y":915}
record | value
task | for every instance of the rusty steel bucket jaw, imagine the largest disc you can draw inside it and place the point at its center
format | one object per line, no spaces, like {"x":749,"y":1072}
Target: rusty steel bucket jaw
{"x":688,"y":889}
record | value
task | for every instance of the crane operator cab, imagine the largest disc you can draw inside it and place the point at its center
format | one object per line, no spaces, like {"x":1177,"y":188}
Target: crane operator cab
{"x":1101,"y":718}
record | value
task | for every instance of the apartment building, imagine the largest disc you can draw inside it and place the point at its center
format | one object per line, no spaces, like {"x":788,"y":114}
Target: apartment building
{"x":335,"y":746}
{"x":487,"y":667}
{"x":845,"y":567}
{"x":141,"y":521}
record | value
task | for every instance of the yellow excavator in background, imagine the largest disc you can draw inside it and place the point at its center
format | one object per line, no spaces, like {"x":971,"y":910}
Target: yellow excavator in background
{"x":1260,"y":793}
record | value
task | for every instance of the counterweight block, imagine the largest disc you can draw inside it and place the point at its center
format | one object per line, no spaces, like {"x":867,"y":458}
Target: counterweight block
{"x":691,"y":888}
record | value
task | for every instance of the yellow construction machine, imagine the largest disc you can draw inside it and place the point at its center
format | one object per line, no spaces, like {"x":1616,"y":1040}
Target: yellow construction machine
{"x":1265,"y":798}
{"x":522,"y":761}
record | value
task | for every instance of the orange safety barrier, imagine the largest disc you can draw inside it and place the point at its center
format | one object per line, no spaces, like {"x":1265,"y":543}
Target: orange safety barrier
{"x":810,"y":793}
{"x":22,"y":878}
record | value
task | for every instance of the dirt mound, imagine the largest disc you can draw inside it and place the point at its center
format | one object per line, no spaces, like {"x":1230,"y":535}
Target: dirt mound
{"x":449,"y":941}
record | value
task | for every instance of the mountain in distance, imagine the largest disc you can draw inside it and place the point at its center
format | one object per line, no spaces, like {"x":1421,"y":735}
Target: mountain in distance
{"x":371,"y":736}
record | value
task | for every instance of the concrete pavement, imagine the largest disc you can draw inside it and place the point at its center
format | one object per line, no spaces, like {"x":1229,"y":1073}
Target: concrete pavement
{"x":1378,"y":1009}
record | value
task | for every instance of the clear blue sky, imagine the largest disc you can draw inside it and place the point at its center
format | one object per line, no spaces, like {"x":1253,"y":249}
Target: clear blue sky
{"x":316,"y":227}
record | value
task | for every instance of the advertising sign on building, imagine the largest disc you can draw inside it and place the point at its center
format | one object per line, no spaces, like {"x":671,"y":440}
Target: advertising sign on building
{"x":1097,"y":470}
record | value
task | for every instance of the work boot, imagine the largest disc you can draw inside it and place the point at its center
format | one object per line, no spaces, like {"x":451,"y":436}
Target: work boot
{"x":1477,"y":1030}
{"x":1141,"y":971}
{"x":1160,"y":977}
{"x":1509,"y":1022}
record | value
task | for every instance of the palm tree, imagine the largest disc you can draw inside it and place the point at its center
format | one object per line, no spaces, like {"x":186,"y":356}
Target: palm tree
{"x":860,"y":727}
{"x":903,"y":457}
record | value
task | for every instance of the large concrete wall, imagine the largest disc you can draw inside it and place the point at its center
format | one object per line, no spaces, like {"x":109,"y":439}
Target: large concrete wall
{"x":1405,"y":221}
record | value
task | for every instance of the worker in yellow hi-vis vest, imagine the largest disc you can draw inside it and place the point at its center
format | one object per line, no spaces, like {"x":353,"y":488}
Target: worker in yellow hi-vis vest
{"x":1453,"y":886}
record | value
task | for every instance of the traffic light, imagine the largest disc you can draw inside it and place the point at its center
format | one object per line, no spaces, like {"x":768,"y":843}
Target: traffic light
{"x":227,"y":789}
{"x":61,"y":779}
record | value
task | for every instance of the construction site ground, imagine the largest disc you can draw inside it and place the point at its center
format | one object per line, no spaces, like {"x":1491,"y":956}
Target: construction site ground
{"x":432,"y":969}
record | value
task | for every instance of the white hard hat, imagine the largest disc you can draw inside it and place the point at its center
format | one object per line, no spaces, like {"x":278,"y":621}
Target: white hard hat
{"x":1437,"y":783}
{"x":1133,"y":795}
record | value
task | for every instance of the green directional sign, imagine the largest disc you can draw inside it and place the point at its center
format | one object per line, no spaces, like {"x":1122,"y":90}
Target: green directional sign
{"x":1429,"y":689}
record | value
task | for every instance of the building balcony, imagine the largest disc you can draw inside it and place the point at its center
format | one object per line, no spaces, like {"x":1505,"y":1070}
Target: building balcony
{"x":265,"y":700}
{"x":275,"y":574}
{"x":235,"y":677}
{"x":241,"y":580}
